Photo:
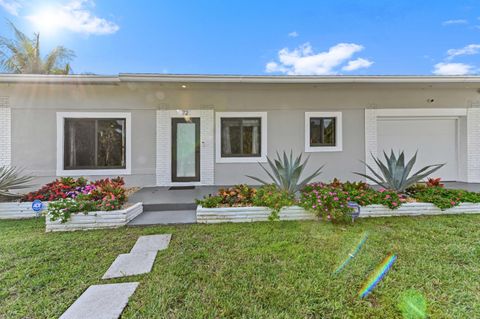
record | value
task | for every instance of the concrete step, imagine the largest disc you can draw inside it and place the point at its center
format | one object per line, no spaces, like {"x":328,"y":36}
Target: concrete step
{"x":165,"y":217}
{"x":169,"y":207}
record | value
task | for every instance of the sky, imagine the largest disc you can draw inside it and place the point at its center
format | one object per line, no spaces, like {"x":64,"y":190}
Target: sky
{"x":251,"y":37}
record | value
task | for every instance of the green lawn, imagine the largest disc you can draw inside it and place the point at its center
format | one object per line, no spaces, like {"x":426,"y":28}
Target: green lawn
{"x":254,"y":270}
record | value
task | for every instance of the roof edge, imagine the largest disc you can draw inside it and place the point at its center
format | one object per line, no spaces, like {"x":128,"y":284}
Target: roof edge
{"x":291,"y":79}
{"x":199,"y":78}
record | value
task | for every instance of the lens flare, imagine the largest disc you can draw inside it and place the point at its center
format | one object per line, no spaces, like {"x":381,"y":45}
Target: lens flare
{"x":352,"y":254}
{"x":413,"y":305}
{"x":377,"y":275}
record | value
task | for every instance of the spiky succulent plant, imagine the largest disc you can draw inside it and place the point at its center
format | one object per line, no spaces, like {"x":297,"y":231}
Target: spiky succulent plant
{"x":286,"y":172}
{"x":394,"y":174}
{"x":12,"y":178}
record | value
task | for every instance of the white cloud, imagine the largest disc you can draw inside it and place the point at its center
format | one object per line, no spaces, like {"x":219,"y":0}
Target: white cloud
{"x":457,"y":21}
{"x":293,"y":34}
{"x":470,"y":49}
{"x":74,"y":16}
{"x":359,"y":63}
{"x":11,"y":6}
{"x":303,"y":60}
{"x":452,"y":69}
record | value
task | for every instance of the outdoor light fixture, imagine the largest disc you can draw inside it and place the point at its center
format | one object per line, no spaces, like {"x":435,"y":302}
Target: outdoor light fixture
{"x":185,"y":114}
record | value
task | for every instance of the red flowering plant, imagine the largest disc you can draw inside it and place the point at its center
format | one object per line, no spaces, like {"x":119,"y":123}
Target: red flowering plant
{"x":60,"y":188}
{"x":101,"y":195}
{"x":330,"y":201}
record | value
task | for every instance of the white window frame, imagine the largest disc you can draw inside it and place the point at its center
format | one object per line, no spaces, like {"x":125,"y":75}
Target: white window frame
{"x":61,"y":116}
{"x":338,"y":132}
{"x":218,"y":137}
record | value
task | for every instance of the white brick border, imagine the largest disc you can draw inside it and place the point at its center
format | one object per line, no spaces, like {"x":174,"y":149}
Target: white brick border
{"x":249,"y":214}
{"x":164,"y":147}
{"x":5,"y":132}
{"x":254,"y":214}
{"x":96,"y":220}
{"x":18,"y":210}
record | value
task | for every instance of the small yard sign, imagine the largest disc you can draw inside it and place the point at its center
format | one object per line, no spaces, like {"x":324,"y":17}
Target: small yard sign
{"x":37,"y":206}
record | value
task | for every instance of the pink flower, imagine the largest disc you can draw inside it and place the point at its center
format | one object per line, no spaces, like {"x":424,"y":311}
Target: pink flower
{"x":394,"y":204}
{"x":387,"y":196}
{"x":335,"y":199}
{"x":314,"y":206}
{"x":452,"y":202}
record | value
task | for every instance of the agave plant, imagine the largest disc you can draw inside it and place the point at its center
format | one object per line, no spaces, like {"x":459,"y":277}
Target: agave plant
{"x":286,"y":173}
{"x":395,"y":175}
{"x":12,"y":178}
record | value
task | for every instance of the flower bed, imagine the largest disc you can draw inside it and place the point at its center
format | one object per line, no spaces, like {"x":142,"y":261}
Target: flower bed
{"x":69,"y":196}
{"x":96,"y":219}
{"x":331,"y":202}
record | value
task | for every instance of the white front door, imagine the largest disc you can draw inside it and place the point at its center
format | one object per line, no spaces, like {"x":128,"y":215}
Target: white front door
{"x":435,"y":139}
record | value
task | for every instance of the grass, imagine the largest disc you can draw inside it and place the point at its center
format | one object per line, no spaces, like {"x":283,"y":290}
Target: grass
{"x":258,"y":270}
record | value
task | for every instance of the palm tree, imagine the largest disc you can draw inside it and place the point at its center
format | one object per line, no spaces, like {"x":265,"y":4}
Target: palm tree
{"x":21,"y":55}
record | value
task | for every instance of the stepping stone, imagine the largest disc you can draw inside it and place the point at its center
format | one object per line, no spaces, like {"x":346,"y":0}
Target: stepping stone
{"x":151,"y":243}
{"x":101,"y":302}
{"x":131,"y":264}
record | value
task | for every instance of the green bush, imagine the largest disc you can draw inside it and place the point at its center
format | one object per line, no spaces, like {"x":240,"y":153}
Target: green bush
{"x":330,"y":201}
{"x":270,"y":196}
{"x":444,"y":198}
{"x":244,"y":196}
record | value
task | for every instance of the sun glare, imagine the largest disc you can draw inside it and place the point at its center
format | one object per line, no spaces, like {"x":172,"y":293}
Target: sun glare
{"x":46,"y":21}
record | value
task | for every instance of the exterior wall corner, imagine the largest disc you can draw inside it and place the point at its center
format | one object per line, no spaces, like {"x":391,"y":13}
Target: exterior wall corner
{"x":5,"y":132}
{"x":473,"y":145}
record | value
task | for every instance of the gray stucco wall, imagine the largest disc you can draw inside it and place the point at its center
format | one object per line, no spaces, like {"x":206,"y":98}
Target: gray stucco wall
{"x":34,"y":108}
{"x":286,"y":132}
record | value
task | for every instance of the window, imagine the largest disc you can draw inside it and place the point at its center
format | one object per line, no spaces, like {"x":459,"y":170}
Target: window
{"x":93,"y":143}
{"x":241,"y":137}
{"x":323,"y":131}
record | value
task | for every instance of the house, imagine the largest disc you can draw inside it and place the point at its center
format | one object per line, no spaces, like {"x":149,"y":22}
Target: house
{"x":166,"y":130}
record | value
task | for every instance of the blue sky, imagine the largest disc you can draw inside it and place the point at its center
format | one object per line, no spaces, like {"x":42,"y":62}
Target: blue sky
{"x":258,"y":37}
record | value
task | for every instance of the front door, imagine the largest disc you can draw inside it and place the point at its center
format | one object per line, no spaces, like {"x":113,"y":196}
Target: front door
{"x":186,"y":149}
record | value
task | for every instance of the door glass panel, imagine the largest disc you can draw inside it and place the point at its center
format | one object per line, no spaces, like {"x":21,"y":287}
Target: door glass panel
{"x":186,"y":149}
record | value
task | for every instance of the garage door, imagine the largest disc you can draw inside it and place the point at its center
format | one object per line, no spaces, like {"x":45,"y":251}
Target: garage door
{"x":434,"y":138}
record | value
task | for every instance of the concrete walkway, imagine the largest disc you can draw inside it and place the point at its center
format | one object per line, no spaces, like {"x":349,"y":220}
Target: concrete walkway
{"x":165,"y":218}
{"x":108,"y":301}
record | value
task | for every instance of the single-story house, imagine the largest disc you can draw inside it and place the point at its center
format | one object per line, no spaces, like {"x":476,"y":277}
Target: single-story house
{"x":167,"y":130}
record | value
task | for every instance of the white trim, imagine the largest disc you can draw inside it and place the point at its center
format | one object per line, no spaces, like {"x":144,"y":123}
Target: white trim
{"x":420,"y":112}
{"x":338,"y":132}
{"x":164,"y":147}
{"x":85,"y":172}
{"x":218,"y":137}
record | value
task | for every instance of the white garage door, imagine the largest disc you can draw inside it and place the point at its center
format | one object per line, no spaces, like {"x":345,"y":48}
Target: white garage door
{"x":434,"y":138}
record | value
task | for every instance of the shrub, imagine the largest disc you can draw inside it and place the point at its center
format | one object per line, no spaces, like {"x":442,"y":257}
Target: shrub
{"x":444,"y":198}
{"x":58,"y":189}
{"x":68,"y":196}
{"x":239,"y":195}
{"x":286,"y":173}
{"x":12,"y":178}
{"x":243,"y":196}
{"x":270,"y":196}
{"x":330,"y":201}
{"x":395,"y":175}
